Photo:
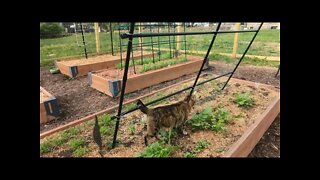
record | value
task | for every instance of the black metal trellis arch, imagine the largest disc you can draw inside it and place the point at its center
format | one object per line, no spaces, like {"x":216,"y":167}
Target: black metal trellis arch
{"x":130,"y":37}
{"x":152,"y":43}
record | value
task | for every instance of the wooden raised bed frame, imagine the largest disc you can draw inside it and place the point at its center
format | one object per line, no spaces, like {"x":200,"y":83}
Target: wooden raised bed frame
{"x":249,"y":139}
{"x":49,"y":107}
{"x":242,"y":147}
{"x":112,"y":87}
{"x":73,"y":69}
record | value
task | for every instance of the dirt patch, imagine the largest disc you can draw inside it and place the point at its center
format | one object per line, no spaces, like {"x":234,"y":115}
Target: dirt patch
{"x":130,"y":145}
{"x":77,"y":99}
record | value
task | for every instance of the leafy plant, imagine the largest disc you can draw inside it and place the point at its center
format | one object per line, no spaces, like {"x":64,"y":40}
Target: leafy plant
{"x":76,"y":143}
{"x":45,"y":148}
{"x":189,"y":155}
{"x":129,"y":106}
{"x":69,"y":133}
{"x":157,"y":150}
{"x":80,"y":151}
{"x":220,"y":116}
{"x":104,"y":130}
{"x":164,"y":135}
{"x":219,"y":150}
{"x":201,"y":145}
{"x":239,"y":115}
{"x":202,"y":120}
{"x":132,"y":128}
{"x":243,"y":99}
{"x":209,"y":119}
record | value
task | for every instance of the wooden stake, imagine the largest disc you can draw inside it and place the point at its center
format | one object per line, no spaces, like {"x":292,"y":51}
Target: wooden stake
{"x":96,"y":28}
{"x":178,"y":37}
{"x":235,"y":42}
{"x":140,"y":39}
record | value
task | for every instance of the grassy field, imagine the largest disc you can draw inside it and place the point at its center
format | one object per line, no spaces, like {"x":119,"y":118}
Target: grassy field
{"x":267,"y":43}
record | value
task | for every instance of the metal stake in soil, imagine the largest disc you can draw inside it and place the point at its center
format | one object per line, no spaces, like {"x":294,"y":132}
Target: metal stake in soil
{"x":124,"y":82}
{"x":84,"y":42}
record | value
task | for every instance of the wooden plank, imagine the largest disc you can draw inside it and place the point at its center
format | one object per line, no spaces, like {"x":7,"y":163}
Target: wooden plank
{"x":43,"y":114}
{"x":155,"y":77}
{"x":97,"y":34}
{"x":45,"y":92}
{"x":235,"y":41}
{"x":101,"y":84}
{"x":92,"y":65}
{"x":253,"y":134}
{"x":64,"y":69}
{"x":90,"y":117}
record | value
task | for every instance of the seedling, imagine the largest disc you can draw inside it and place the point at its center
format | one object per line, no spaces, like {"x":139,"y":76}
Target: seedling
{"x":243,"y":99}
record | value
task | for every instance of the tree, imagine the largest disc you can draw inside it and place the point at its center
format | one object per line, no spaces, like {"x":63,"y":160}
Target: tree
{"x":51,"y":30}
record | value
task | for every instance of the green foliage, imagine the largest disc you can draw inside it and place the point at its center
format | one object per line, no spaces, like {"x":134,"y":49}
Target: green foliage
{"x":207,"y":119}
{"x":50,"y":30}
{"x":161,"y":64}
{"x":243,"y":99}
{"x":77,"y":143}
{"x":106,"y":124}
{"x":70,"y":133}
{"x":80,"y":151}
{"x":45,"y":147}
{"x":202,"y":120}
{"x":200,"y":146}
{"x":164,"y":135}
{"x":132,"y":128}
{"x":157,"y":150}
{"x":129,"y":106}
{"x":219,"y":150}
{"x":189,"y":155}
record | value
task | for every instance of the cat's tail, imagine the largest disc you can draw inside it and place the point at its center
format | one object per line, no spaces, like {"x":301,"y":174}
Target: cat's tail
{"x":143,"y":107}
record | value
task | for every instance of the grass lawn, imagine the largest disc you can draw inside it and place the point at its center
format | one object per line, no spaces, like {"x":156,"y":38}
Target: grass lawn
{"x":267,"y":43}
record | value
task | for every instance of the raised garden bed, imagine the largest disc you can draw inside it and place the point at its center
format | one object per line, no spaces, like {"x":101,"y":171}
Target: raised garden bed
{"x":80,"y":67}
{"x":247,"y":122}
{"x":109,"y":81}
{"x":48,"y":106}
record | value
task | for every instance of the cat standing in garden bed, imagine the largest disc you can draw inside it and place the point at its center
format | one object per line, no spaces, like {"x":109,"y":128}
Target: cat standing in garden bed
{"x":169,"y":116}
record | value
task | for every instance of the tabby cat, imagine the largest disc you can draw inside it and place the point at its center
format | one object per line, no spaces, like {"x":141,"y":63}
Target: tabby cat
{"x":169,"y":116}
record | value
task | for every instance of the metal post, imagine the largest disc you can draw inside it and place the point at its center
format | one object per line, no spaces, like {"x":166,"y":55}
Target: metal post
{"x":174,"y":41}
{"x":141,"y":41}
{"x":84,"y":43}
{"x":75,"y":31}
{"x":205,"y":58}
{"x":111,"y":39}
{"x":159,"y":42}
{"x":169,"y":39}
{"x":124,"y":82}
{"x":120,"y":46}
{"x":134,"y":66}
{"x":178,"y":38}
{"x":185,"y":40}
{"x":152,"y":45}
{"x":126,"y":35}
{"x":242,"y":56}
